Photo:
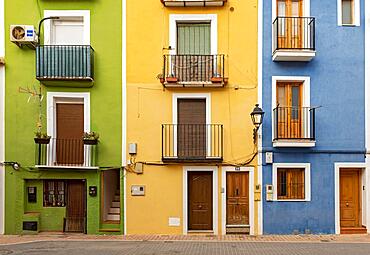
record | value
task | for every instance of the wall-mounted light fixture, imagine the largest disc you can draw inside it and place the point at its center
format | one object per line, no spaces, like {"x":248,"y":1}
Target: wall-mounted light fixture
{"x":257,"y":119}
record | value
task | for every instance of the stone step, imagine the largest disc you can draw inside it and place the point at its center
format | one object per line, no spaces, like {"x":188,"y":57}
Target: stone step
{"x":115,"y":204}
{"x":116,"y":198}
{"x":114,"y":210}
{"x":358,"y":230}
{"x":113,"y":217}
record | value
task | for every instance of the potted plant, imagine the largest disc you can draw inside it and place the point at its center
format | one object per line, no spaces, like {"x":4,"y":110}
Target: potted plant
{"x":161,"y":78}
{"x":90,"y":138}
{"x":216,"y":79}
{"x":42,"y":138}
{"x":171,"y":79}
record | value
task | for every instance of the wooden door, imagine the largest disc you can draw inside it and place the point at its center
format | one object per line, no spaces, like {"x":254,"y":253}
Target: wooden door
{"x":290,"y":30}
{"x":237,"y":198}
{"x":191,"y":130}
{"x":200,"y":206}
{"x":289,"y":110}
{"x":70,"y":127}
{"x":76,"y":206}
{"x":350,"y":208}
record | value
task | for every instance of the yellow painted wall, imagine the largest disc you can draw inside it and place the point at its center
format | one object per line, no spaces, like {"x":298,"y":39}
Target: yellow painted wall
{"x":150,"y":105}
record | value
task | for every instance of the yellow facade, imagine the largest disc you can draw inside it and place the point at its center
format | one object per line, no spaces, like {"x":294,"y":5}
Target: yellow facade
{"x":149,"y":105}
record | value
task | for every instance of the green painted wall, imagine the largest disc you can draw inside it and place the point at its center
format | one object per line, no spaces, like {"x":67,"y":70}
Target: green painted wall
{"x":21,"y":117}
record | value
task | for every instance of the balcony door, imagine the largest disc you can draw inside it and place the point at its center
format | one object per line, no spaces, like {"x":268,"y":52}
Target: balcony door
{"x":289,"y":110}
{"x":193,"y":61}
{"x":69,"y":132}
{"x":67,"y":31}
{"x":290,"y":24}
{"x":191,"y":130}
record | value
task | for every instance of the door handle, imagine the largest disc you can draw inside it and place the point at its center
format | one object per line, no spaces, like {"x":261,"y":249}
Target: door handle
{"x":347,"y":204}
{"x":199,"y":206}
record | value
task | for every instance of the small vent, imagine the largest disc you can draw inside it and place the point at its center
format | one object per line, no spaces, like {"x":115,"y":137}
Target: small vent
{"x":30,"y":225}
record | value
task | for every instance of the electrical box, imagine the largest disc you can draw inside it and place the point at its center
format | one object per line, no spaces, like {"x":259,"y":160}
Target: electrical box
{"x":269,"y":158}
{"x":139,"y":168}
{"x":30,"y":225}
{"x":93,"y":190}
{"x":269,"y":193}
{"x":137,"y":190}
{"x":257,"y":192}
{"x":132,"y":148}
{"x":31,"y":194}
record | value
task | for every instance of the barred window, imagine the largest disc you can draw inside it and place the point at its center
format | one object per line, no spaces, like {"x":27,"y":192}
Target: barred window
{"x":54,"y":193}
{"x":291,"y":183}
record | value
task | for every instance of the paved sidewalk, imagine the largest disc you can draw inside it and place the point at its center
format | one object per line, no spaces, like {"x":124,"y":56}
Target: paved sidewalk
{"x":13,"y":239}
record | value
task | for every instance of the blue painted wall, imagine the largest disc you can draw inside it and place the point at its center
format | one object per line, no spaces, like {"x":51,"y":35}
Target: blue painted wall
{"x":337,"y":85}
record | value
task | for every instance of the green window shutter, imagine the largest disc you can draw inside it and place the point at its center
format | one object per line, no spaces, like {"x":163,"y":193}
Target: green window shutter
{"x":194,"y":38}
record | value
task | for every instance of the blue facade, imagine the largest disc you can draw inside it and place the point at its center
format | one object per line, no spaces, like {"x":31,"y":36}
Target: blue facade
{"x":337,"y":88}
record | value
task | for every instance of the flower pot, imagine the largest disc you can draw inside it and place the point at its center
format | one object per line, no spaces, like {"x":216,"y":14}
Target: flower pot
{"x":90,"y":141}
{"x":161,"y":80}
{"x":171,"y":79}
{"x":216,"y":79}
{"x":41,"y":140}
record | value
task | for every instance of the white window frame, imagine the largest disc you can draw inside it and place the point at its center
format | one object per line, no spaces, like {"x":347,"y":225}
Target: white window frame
{"x":66,"y":97}
{"x":84,"y":14}
{"x":174,"y":18}
{"x":185,"y":216}
{"x":306,"y":98}
{"x":307,"y":180}
{"x":229,"y":169}
{"x":356,"y":13}
{"x":207,"y":97}
{"x":2,"y":119}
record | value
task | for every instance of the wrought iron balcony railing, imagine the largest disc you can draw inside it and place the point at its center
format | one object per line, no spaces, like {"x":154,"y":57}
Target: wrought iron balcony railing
{"x":192,"y":142}
{"x":66,"y":153}
{"x":294,"y":33}
{"x":65,"y":62}
{"x":294,"y":123}
{"x":194,"y":70}
{"x":192,"y":3}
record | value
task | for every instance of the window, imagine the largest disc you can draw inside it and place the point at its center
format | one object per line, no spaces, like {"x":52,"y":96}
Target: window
{"x":54,"y":193}
{"x":347,"y":12}
{"x":290,"y":183}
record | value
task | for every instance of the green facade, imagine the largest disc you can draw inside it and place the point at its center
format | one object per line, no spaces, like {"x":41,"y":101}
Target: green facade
{"x":21,"y":116}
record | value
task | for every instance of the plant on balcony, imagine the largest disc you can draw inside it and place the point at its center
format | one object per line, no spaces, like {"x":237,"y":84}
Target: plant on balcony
{"x":91,"y":138}
{"x":171,"y":79}
{"x":160,"y":77}
{"x":42,"y":138}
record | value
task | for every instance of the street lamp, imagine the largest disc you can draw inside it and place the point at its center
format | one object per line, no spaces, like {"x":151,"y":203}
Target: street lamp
{"x":257,"y":119}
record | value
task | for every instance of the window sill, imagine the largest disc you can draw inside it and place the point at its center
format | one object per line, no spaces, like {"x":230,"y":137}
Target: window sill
{"x":293,"y":143}
{"x":293,"y":55}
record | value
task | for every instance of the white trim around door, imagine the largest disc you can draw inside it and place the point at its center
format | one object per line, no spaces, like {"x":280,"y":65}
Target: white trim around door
{"x":67,"y":14}
{"x":2,"y":119}
{"x":174,"y":18}
{"x":212,"y":169}
{"x":365,"y":192}
{"x":250,"y":170}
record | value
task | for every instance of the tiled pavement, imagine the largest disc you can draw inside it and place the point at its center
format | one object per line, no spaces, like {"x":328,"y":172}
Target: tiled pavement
{"x":11,"y":239}
{"x":185,"y":248}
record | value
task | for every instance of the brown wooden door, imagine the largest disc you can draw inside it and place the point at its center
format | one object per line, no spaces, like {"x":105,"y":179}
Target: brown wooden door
{"x":289,"y":101}
{"x":191,"y":130}
{"x":200,"y":206}
{"x":291,"y":27}
{"x":350,"y":208}
{"x":76,"y":206}
{"x":237,"y":198}
{"x":70,"y":127}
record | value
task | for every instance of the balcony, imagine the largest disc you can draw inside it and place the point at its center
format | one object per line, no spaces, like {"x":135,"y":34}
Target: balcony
{"x":193,"y":3}
{"x":66,"y":153}
{"x":293,"y":39}
{"x":65,"y":65}
{"x":294,"y":127}
{"x":193,"y":71}
{"x":192,"y":143}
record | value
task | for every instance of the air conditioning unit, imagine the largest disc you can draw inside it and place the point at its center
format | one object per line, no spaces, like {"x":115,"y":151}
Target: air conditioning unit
{"x":23,"y":35}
